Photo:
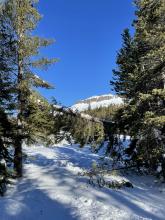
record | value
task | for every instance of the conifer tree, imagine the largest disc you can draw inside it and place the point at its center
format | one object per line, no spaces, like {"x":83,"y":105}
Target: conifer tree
{"x":39,"y":120}
{"x":6,"y":83}
{"x":125,"y":77}
{"x":6,"y":101}
{"x":22,"y":18}
{"x":150,"y":101}
{"x":143,"y":118}
{"x":72,"y":126}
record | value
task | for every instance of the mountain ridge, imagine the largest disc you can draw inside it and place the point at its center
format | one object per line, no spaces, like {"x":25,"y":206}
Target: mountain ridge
{"x":94,"y":102}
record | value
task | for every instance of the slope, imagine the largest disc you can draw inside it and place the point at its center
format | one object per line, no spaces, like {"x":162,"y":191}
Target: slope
{"x":97,"y":101}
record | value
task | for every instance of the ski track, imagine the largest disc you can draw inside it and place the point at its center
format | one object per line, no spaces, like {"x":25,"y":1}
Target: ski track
{"x":52,"y":190}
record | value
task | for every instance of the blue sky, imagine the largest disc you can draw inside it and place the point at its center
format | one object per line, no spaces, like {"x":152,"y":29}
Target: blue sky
{"x":88,"y":35}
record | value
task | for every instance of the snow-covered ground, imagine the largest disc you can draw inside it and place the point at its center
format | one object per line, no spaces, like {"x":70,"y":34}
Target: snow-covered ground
{"x":52,"y":190}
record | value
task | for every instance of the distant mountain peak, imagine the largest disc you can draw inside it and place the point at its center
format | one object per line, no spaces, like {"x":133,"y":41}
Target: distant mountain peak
{"x":97,"y":102}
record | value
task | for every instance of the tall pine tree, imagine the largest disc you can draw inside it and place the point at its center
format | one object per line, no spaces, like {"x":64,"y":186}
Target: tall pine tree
{"x":22,"y":18}
{"x":143,"y":118}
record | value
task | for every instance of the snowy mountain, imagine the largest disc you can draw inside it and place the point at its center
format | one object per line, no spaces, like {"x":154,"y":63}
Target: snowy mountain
{"x":97,"y":101}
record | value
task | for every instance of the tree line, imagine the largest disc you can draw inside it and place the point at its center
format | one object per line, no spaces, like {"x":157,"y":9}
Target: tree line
{"x":27,"y":117}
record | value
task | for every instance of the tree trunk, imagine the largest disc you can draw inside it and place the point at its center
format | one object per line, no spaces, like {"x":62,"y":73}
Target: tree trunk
{"x":18,"y":157}
{"x":19,"y":136}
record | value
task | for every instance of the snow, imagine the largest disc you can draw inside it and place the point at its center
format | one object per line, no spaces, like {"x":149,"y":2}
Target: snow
{"x":3,"y":162}
{"x":36,"y":76}
{"x":159,"y":168}
{"x":97,"y":97}
{"x":52,"y":189}
{"x":57,"y":106}
{"x":96,"y":102}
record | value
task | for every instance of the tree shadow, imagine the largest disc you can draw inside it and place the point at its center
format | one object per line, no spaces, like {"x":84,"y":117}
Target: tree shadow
{"x":31,"y":203}
{"x":37,"y":193}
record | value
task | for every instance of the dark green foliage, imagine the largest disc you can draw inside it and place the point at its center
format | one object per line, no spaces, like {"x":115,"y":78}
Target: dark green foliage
{"x":76,"y":128}
{"x":125,"y":77}
{"x":106,"y":113}
{"x":143,"y":116}
{"x":39,"y":120}
{"x":88,"y":132}
{"x":19,"y":58}
{"x":6,"y":99}
{"x":6,"y":137}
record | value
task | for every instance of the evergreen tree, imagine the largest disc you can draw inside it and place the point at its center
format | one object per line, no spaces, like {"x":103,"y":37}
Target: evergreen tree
{"x":6,"y":97}
{"x":39,"y":120}
{"x":21,"y":16}
{"x":104,"y":113}
{"x":150,"y":101}
{"x":72,"y":126}
{"x":143,"y":118}
{"x":125,"y":76}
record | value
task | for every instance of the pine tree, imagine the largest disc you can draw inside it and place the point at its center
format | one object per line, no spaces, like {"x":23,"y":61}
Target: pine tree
{"x":6,"y":84}
{"x":22,"y":18}
{"x":151,"y":98}
{"x":72,"y":126}
{"x":125,"y":76}
{"x":6,"y":100}
{"x":143,"y":117}
{"x":39,"y":120}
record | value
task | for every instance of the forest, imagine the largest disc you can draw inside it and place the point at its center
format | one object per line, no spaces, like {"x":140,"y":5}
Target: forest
{"x":27,"y":118}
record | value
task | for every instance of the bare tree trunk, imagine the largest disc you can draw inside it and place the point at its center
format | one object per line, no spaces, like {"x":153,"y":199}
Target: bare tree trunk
{"x":19,"y":137}
{"x":18,"y":157}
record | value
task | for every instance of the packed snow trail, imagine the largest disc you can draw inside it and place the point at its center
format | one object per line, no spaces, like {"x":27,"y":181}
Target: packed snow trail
{"x":52,"y":190}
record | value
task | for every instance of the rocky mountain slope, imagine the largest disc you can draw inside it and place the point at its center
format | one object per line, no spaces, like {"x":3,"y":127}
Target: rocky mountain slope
{"x":97,"y":101}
